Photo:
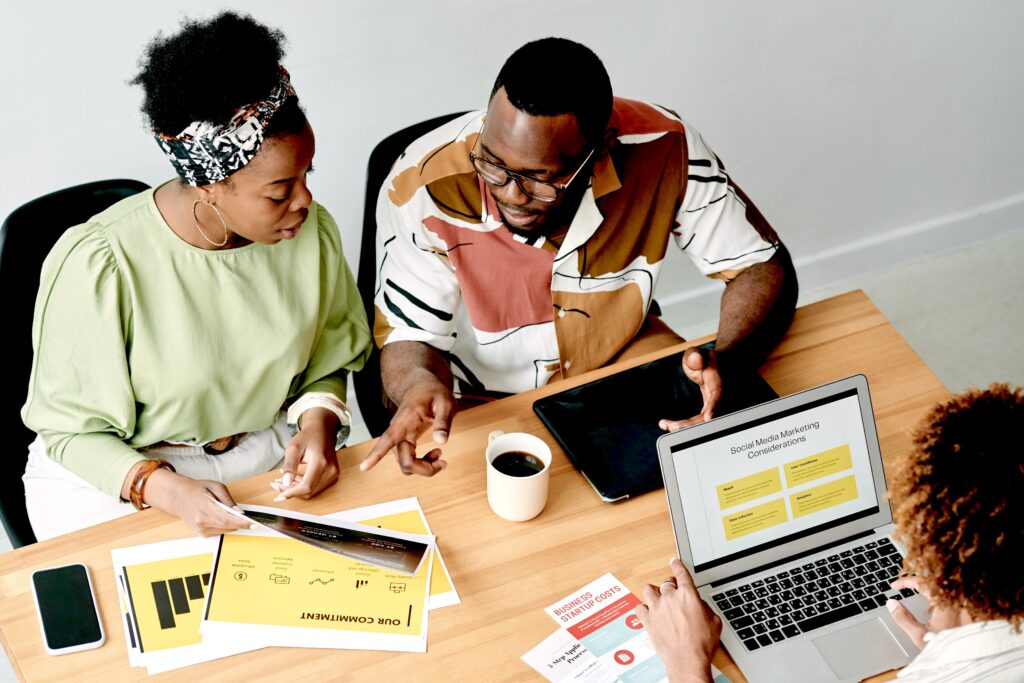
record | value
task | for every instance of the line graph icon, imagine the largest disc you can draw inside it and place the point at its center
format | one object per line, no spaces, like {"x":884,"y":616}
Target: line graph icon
{"x":321,"y":581}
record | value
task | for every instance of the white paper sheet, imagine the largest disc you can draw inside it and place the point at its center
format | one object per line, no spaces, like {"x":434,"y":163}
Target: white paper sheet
{"x":157,"y":554}
{"x":560,"y":658}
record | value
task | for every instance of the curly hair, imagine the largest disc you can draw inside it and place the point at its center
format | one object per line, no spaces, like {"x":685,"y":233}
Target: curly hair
{"x":209,"y":69}
{"x":959,"y":503}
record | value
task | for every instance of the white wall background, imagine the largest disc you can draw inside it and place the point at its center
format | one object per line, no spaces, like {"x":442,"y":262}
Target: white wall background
{"x":867,"y":132}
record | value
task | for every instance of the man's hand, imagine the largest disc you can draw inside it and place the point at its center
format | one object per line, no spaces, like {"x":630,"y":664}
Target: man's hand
{"x":194,"y":501}
{"x":683,"y":629}
{"x":757,"y":307}
{"x":941,"y":617}
{"x":703,"y":371}
{"x":314,"y":447}
{"x":426,"y":404}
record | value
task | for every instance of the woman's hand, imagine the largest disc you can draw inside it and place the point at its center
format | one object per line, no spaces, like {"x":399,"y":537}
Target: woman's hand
{"x":314,"y":447}
{"x":940,"y":619}
{"x":683,"y":629}
{"x":195,"y":501}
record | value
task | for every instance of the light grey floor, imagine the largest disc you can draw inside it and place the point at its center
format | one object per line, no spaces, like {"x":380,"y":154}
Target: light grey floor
{"x":962,"y":311}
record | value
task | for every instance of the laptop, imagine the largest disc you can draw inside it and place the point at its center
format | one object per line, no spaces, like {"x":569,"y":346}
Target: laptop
{"x":780,"y":513}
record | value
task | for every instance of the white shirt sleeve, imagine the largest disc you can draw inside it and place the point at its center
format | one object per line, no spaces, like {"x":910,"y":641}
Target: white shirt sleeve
{"x":718,"y":227}
{"x":417,"y":295}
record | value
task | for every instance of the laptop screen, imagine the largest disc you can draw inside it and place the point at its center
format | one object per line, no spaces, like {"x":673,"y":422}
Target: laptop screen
{"x":775,"y":479}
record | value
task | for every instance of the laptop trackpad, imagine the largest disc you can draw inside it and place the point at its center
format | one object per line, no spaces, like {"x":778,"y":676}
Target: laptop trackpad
{"x":861,"y":650}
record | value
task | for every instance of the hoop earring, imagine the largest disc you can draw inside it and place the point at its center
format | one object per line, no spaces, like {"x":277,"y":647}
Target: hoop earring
{"x":223,"y":223}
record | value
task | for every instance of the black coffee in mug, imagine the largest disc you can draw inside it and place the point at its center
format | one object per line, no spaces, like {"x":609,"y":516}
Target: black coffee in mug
{"x":518,"y":463}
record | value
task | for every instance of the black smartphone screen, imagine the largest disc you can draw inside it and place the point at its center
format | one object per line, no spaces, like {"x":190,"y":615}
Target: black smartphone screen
{"x":66,"y":606}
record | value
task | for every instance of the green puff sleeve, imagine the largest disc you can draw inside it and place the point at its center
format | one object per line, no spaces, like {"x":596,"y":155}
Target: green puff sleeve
{"x":80,"y":397}
{"x":343,"y":338}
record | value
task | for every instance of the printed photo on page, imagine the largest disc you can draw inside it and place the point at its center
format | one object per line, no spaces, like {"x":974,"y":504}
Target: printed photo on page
{"x":388,"y":549}
{"x":406,"y":514}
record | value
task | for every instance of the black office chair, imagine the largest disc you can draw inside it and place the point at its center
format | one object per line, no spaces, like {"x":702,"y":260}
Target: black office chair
{"x":367,"y":381}
{"x":26,"y":238}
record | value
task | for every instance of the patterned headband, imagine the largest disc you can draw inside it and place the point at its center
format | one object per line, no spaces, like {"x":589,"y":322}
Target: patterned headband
{"x":204,"y":153}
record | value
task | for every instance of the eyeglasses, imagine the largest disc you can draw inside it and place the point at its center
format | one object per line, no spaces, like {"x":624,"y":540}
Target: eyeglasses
{"x":541,"y":190}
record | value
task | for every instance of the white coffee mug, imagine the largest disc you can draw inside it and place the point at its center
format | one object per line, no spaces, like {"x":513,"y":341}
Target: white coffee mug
{"x":517,"y":498}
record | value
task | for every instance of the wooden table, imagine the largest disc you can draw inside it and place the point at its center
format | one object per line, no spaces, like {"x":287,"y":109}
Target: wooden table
{"x":505,"y":572}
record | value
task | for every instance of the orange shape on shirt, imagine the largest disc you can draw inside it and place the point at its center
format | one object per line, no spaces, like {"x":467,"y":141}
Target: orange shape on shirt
{"x":506,"y":284}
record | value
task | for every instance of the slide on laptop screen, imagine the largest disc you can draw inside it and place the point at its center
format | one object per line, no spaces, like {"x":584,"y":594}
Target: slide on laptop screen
{"x":774,"y":480}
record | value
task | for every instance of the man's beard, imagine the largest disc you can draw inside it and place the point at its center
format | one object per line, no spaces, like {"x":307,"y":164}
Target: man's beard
{"x":541,"y":229}
{"x":550,"y":221}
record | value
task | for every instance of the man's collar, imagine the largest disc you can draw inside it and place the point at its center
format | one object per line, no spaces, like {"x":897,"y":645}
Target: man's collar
{"x":605,"y":179}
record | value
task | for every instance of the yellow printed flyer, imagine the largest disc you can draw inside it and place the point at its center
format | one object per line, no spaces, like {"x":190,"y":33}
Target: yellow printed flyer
{"x":281,"y":590}
{"x":167,"y":597}
{"x":162,"y":589}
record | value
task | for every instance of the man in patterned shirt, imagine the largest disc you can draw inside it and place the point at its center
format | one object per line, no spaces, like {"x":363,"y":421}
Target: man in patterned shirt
{"x":522,"y":245}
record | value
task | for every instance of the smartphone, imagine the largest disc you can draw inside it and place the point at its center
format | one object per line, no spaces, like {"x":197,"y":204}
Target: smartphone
{"x":66,"y":606}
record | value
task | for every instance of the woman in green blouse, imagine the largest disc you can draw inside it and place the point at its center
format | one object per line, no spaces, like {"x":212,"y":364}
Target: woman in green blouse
{"x":173,"y":330}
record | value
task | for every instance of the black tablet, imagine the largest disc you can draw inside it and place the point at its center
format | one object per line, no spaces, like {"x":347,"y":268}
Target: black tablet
{"x":609,"y":427}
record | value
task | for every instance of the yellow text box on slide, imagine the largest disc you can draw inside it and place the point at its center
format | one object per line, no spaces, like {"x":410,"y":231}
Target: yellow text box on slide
{"x":754,"y":519}
{"x":748,"y":488}
{"x":825,"y":496}
{"x":819,"y":465}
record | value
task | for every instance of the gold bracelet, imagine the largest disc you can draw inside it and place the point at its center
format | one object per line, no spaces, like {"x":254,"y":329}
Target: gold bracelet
{"x":141,"y":477}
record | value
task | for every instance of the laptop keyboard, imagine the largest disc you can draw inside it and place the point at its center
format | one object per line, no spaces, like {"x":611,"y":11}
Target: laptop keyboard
{"x":813,"y":595}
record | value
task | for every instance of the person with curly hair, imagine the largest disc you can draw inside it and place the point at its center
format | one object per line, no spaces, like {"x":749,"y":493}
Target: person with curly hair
{"x":199,"y":332}
{"x":958,"y":511}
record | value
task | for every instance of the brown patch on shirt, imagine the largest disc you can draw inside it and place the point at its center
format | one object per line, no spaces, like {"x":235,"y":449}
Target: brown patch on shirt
{"x":726,"y":275}
{"x":458,"y":196}
{"x":640,"y":215}
{"x":449,"y":159}
{"x":605,"y":179}
{"x":381,"y":328}
{"x":596,"y":325}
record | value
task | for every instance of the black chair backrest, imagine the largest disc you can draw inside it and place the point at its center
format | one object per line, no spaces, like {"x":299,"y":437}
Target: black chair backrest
{"x":26,"y":238}
{"x":367,"y":381}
